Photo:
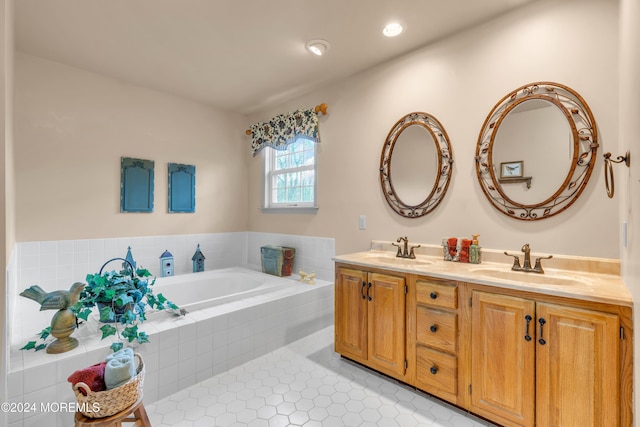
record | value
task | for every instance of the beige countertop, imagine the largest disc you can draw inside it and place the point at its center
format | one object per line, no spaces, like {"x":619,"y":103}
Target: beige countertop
{"x":589,"y":279}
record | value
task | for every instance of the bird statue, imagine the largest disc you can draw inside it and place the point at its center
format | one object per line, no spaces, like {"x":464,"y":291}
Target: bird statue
{"x":56,"y":300}
{"x":64,"y":322}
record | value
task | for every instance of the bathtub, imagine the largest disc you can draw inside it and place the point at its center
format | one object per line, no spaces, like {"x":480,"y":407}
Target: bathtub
{"x":196,"y":291}
{"x":263,"y":313}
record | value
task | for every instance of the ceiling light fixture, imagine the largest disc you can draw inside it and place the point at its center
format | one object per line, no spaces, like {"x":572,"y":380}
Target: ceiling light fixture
{"x":317,"y":46}
{"x":393,"y":29}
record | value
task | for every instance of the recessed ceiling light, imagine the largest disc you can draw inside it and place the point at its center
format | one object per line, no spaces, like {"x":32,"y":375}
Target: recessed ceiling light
{"x":393,"y":29}
{"x":317,"y":46}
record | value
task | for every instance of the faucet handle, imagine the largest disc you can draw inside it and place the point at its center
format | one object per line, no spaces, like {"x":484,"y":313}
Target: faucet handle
{"x":538,"y":267}
{"x":399,"y":253}
{"x":516,"y":261}
{"x":412,"y":255}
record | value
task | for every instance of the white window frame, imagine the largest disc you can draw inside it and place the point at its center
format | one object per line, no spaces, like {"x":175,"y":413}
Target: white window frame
{"x":268,"y":206}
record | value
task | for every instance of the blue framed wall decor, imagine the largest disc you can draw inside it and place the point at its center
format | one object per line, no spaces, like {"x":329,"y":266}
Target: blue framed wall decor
{"x":136,"y":185}
{"x":182,"y":188}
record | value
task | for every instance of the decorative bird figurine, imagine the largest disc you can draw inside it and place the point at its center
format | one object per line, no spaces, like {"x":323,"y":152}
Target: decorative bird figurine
{"x":56,"y":300}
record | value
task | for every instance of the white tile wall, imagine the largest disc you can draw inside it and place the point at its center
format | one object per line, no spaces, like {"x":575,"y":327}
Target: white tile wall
{"x":58,"y":264}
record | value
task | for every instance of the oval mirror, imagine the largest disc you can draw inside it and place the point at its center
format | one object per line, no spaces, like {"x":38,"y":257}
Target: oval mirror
{"x":536,"y":151}
{"x":415,"y":165}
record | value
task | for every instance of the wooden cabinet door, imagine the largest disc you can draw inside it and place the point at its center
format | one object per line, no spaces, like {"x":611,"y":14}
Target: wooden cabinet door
{"x":503,"y":360}
{"x":577,"y":367}
{"x":386,"y":320}
{"x":351,"y":313}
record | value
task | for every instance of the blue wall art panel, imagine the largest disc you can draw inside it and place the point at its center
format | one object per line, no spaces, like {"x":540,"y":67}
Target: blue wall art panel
{"x":182,"y":188}
{"x":136,"y":185}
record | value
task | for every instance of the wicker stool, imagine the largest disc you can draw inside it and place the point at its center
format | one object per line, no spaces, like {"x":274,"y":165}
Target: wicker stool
{"x":140,"y":417}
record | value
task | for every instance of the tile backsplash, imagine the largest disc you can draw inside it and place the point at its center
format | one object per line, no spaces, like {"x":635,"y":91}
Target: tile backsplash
{"x":57,"y":264}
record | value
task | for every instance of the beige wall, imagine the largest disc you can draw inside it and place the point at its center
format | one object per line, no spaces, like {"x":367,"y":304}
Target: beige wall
{"x":629,"y":179}
{"x":459,"y":80}
{"x":72,"y":127}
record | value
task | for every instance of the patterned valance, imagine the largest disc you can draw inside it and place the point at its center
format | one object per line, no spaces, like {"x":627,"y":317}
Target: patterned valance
{"x":283,"y":129}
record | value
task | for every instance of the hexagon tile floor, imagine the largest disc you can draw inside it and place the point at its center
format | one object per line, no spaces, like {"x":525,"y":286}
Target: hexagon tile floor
{"x":304,"y":384}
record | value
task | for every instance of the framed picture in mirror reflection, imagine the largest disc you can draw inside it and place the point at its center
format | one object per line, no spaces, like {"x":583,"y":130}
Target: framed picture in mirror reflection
{"x":511,"y":169}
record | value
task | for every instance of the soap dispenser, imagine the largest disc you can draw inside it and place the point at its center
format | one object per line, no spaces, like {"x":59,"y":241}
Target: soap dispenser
{"x":474,"y":250}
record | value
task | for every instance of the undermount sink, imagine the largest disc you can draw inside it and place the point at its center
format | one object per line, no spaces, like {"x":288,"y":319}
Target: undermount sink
{"x":559,"y":279}
{"x":398,"y":261}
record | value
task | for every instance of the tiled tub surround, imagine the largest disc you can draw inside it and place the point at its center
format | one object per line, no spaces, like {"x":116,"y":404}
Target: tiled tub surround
{"x":183,"y":350}
{"x":58,"y":264}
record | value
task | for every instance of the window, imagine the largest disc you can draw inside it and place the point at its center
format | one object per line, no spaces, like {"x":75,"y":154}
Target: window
{"x":290,"y":177}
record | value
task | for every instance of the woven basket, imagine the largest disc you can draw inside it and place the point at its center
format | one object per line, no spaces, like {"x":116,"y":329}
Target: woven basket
{"x":100,"y":404}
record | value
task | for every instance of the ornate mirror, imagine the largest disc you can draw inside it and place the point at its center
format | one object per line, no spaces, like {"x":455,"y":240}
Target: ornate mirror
{"x":536,"y":151}
{"x":415,"y":165}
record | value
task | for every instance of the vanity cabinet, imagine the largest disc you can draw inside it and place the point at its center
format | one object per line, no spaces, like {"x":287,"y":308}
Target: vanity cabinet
{"x":436,"y":341}
{"x":515,"y":356}
{"x":370,"y":319}
{"x":543,"y":363}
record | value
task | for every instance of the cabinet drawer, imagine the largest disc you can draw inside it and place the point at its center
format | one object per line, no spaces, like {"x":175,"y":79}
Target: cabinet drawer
{"x":437,"y":373}
{"x":436,"y":294}
{"x":437,"y":328}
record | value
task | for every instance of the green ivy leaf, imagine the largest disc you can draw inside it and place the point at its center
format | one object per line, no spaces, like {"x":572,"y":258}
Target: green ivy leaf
{"x":107,"y":331}
{"x":84,"y":314}
{"x":172,"y":305}
{"x":40,"y":347}
{"x":116,"y":346}
{"x":45,"y":332}
{"x":128,"y":317}
{"x":143,"y":337}
{"x":161,"y":299}
{"x":29,"y":345}
{"x":143,"y":272}
{"x":107,"y":314}
{"x":130,"y":333}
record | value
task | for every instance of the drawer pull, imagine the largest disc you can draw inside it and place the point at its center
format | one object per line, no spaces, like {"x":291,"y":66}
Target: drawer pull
{"x":433,"y":370}
{"x":528,"y":318}
{"x":433,"y":328}
{"x":542,"y":322}
{"x":368,"y":289}
{"x":433,"y":295}
{"x":362,"y":290}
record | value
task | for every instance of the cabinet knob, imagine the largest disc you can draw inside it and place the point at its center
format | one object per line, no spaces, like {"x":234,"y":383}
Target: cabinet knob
{"x":433,"y":370}
{"x":433,"y":328}
{"x":433,"y":295}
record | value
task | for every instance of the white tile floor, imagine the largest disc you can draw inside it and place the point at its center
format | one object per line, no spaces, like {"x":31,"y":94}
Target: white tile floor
{"x":304,"y":384}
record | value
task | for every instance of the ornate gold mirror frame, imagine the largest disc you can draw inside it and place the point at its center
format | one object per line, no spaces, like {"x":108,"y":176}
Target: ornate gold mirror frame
{"x":444,"y":160}
{"x":584,"y":144}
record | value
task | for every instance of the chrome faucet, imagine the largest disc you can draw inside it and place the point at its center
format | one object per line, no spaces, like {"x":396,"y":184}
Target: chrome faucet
{"x":526,"y":267}
{"x":404,"y":251}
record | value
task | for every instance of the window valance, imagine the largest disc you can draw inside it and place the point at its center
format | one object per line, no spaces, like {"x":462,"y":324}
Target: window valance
{"x":283,"y":129}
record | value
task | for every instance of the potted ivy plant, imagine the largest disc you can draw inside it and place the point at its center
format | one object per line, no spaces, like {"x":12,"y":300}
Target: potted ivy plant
{"x":122,"y":298}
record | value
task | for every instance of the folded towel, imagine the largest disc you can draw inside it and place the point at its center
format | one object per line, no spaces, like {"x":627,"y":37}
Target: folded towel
{"x":118,"y":371}
{"x":128,"y":352}
{"x":93,"y":376}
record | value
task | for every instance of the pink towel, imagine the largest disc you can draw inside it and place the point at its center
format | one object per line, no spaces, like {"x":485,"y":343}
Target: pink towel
{"x":93,"y":376}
